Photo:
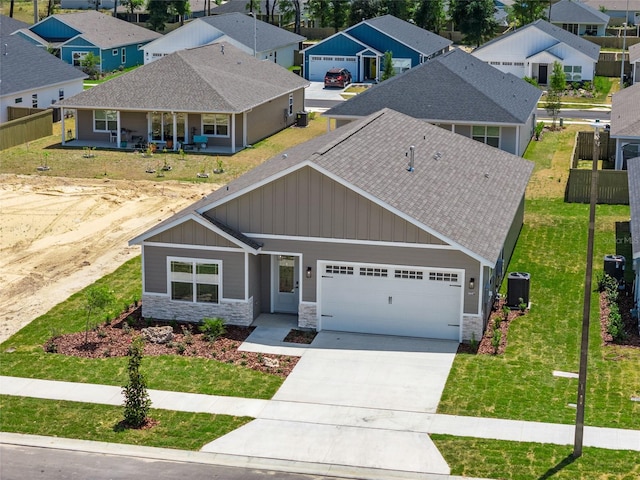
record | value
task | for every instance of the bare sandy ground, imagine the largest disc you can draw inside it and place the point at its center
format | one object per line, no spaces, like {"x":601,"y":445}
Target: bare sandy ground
{"x":58,"y":235}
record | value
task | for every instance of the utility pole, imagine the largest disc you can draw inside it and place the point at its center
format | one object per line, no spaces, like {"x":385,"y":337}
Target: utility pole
{"x":586,"y":308}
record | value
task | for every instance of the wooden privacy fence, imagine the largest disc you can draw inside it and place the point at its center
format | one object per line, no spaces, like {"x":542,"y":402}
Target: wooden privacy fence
{"x":26,"y":129}
{"x":613,"y":187}
{"x":584,"y":147}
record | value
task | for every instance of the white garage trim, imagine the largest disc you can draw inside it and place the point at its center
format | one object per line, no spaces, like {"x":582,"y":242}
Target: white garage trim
{"x":390,"y":299}
{"x":320,"y":64}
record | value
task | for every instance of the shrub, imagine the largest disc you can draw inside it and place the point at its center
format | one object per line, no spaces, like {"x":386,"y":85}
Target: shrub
{"x":539,"y":129}
{"x":188,"y":335}
{"x":532,"y":81}
{"x":137,"y":401}
{"x":495,"y":340}
{"x":212,"y":328}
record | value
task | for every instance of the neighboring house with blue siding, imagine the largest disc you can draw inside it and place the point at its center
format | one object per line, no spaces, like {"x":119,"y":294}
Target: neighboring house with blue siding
{"x":73,"y":35}
{"x":361,"y":48}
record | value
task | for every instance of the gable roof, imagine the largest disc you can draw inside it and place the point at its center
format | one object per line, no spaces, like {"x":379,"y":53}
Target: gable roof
{"x":104,"y":31}
{"x":633,"y":167}
{"x":213,"y":78}
{"x":240,"y":6}
{"x":463,"y":191}
{"x":571,"y":11}
{"x":625,"y":112}
{"x":583,"y":46}
{"x":240,"y":27}
{"x":9,"y":25}
{"x":452,"y":87}
{"x":28,"y":67}
{"x":417,"y":38}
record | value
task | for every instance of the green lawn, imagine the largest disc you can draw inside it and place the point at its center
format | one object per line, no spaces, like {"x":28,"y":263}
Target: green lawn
{"x":23,"y":356}
{"x":527,"y":461}
{"x":552,"y":248}
{"x":84,"y":421}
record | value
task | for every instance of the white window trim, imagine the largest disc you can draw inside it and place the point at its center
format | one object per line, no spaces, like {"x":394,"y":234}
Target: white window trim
{"x":202,"y":124}
{"x":106,"y":121}
{"x":195,"y":261}
{"x":123,"y":58}
{"x":486,"y":135}
{"x":290,"y":104}
{"x":114,"y":52}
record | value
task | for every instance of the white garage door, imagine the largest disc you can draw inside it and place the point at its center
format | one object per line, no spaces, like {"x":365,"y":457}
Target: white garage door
{"x":319,"y":65}
{"x":389,"y":300}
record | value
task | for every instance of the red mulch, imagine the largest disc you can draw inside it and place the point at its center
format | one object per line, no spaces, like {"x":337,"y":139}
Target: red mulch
{"x":113,"y":340}
{"x":625,"y":304}
{"x":484,"y":346}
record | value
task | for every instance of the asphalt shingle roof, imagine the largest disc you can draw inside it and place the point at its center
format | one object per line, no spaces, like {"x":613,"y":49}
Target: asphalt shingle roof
{"x":571,"y":11}
{"x":25,"y":66}
{"x":454,"y":87}
{"x":212,"y":78}
{"x":9,"y":25}
{"x":586,"y":47}
{"x":419,"y":39}
{"x":239,"y":27}
{"x":625,"y":112}
{"x":634,"y":52}
{"x":466,"y":191}
{"x":105,"y":31}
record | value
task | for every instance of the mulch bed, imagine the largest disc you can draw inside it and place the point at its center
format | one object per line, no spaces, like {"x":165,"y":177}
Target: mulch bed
{"x":113,"y":339}
{"x":300,"y":336}
{"x":484,"y":346}
{"x":625,"y":304}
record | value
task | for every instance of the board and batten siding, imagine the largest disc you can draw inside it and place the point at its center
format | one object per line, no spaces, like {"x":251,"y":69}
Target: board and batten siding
{"x":192,"y":233}
{"x":307,"y":203}
{"x":155,"y":268}
{"x":312,"y":252}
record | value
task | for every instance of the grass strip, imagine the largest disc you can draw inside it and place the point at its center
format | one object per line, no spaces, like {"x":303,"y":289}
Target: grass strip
{"x":471,"y":457}
{"x":101,"y":423}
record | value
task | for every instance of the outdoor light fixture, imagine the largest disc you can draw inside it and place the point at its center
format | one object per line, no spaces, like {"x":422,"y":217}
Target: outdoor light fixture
{"x":472,"y":283}
{"x":308,"y":272}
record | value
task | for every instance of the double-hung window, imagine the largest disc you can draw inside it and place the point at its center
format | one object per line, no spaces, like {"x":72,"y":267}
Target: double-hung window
{"x":486,"y":134}
{"x":573,"y":73}
{"x":105,"y":120}
{"x":195,"y":280}
{"x":215,"y":125}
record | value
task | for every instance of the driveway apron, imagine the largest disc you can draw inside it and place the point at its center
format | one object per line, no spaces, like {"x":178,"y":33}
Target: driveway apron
{"x":346,"y":402}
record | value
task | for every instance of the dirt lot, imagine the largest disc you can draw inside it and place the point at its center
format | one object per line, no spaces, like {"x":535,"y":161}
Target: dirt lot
{"x":58,"y":235}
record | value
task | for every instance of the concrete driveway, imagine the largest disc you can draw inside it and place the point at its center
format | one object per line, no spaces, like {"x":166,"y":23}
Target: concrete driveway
{"x":354,"y":400}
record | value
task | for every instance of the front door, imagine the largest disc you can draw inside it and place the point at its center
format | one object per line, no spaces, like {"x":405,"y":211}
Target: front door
{"x":542,"y":74}
{"x":286,"y":291}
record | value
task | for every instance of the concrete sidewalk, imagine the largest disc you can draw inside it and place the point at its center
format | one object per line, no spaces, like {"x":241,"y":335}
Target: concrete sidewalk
{"x":425,"y":423}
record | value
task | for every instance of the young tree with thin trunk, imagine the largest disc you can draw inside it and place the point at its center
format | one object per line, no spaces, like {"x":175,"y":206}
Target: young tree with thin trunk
{"x":388,"y":70}
{"x":557,"y":84}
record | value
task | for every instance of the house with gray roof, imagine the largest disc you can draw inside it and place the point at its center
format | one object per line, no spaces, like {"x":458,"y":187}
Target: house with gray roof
{"x":388,"y":225}
{"x":625,"y":124}
{"x":633,"y":177}
{"x":9,"y":25}
{"x":619,"y":11}
{"x":214,"y":98}
{"x":634,"y":60}
{"x":361,"y":48}
{"x":578,"y":18}
{"x":30,"y":77}
{"x":116,"y":43}
{"x":238,"y":29}
{"x":531,"y":51}
{"x":457,"y":92}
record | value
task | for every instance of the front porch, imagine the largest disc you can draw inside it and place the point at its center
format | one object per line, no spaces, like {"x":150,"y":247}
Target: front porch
{"x":131,"y":147}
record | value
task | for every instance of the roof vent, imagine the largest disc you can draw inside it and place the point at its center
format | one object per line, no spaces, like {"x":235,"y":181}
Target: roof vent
{"x":5,"y":49}
{"x":437,"y":156}
{"x":222,"y":49}
{"x":411,"y":158}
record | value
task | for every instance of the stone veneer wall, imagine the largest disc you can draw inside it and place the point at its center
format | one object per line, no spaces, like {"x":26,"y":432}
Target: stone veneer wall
{"x":234,"y":313}
{"x":308,"y":315}
{"x":472,"y":325}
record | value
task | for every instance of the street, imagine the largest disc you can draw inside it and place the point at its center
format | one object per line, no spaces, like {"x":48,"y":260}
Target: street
{"x":20,"y":462}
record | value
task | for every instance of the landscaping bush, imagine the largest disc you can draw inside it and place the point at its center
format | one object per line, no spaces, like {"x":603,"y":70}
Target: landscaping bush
{"x":212,"y":328}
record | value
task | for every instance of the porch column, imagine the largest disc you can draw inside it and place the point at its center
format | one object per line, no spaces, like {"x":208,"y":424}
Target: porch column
{"x":186,"y":128}
{"x":244,"y":128}
{"x":328,"y":125}
{"x":148,"y":127}
{"x":119,"y":131}
{"x":64,"y":132}
{"x":175,"y":131}
{"x":233,"y":133}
